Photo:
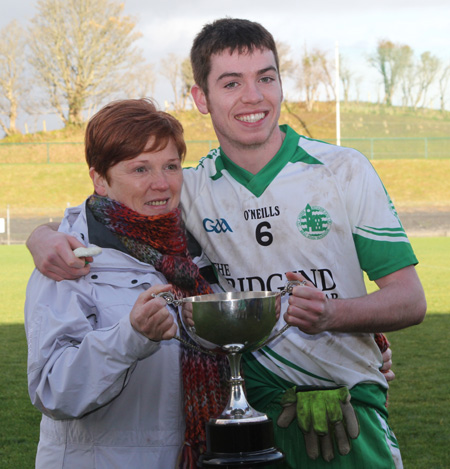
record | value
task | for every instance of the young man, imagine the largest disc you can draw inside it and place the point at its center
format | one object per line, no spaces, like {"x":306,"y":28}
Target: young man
{"x":269,"y":201}
{"x":270,"y":204}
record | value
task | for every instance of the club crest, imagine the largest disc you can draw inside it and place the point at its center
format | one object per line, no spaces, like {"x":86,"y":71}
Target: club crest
{"x":314,"y":222}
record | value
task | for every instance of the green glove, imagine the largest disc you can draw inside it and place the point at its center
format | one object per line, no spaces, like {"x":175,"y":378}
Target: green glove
{"x":319,"y":412}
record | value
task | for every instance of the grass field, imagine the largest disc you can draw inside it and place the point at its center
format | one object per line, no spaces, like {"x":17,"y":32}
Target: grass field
{"x":419,"y":397}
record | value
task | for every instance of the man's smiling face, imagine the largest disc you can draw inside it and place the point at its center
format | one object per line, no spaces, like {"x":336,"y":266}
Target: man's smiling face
{"x":244,"y":98}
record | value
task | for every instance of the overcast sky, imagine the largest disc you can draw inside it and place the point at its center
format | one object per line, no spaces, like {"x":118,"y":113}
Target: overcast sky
{"x":169,"y":26}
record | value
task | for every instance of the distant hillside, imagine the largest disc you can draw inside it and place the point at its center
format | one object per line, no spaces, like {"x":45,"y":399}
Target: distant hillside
{"x":31,"y":187}
{"x":361,"y":120}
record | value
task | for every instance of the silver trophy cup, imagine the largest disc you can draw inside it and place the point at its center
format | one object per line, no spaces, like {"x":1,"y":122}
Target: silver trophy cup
{"x":232,"y":323}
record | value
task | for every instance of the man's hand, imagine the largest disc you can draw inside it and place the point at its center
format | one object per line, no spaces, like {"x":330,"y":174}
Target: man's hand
{"x":399,"y":302}
{"x":53,"y":255}
{"x":321,"y":415}
{"x":309,"y":308}
{"x":150,"y":315}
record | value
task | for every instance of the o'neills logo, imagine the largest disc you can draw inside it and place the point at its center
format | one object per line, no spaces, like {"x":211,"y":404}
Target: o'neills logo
{"x":314,"y":222}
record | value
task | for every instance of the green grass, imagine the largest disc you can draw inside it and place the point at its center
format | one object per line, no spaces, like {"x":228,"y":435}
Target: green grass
{"x":419,"y":397}
{"x":434,"y":271}
{"x":19,"y":429}
{"x":17,"y":267}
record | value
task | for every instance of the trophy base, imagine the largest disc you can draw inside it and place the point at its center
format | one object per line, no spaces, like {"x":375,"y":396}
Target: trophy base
{"x":240,"y":444}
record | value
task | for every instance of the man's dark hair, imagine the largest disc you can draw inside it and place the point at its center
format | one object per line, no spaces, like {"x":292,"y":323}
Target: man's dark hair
{"x":230,"y":34}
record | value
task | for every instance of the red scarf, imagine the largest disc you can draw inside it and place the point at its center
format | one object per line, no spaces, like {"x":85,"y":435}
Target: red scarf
{"x":161,"y":241}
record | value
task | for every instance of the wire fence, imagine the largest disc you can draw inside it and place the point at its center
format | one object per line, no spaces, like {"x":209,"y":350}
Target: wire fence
{"x":373,"y":148}
{"x":73,"y":152}
{"x":400,"y":147}
{"x":15,"y":226}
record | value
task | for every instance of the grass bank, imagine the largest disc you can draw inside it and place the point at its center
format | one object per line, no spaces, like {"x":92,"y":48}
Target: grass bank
{"x":47,"y":189}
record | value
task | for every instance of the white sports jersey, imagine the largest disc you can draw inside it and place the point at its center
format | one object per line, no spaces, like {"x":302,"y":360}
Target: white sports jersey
{"x":315,"y":208}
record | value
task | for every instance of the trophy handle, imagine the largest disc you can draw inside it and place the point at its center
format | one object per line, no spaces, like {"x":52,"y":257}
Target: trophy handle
{"x":169,"y":297}
{"x":172,"y":300}
{"x":287,"y":289}
{"x":290,"y":285}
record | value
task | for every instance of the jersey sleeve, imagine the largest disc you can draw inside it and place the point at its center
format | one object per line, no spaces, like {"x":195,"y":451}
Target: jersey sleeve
{"x":380,"y":239}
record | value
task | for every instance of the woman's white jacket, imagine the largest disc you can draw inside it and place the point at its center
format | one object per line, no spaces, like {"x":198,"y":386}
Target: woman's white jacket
{"x":110,"y":397}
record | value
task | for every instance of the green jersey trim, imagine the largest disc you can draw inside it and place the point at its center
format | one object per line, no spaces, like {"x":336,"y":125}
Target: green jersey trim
{"x":396,"y":255}
{"x":392,"y":232}
{"x":289,"y":152}
{"x":200,"y":164}
{"x":276,"y":356}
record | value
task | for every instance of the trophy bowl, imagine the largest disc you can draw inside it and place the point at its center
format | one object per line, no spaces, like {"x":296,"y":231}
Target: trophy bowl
{"x":233,"y":323}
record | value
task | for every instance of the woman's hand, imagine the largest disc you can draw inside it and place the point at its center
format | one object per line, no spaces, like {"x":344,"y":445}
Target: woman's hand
{"x":151,"y":317}
{"x":387,"y":365}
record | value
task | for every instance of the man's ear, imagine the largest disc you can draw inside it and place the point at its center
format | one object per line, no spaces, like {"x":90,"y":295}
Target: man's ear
{"x":100,"y":184}
{"x":200,"y":99}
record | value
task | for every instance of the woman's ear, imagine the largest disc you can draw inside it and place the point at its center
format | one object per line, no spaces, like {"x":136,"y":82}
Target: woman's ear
{"x":200,"y":99}
{"x":100,"y":183}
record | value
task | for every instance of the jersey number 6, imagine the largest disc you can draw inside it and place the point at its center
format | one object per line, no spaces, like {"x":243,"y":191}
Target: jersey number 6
{"x":264,"y":237}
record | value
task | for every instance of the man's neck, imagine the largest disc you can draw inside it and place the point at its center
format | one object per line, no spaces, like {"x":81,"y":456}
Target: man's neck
{"x":253,"y":158}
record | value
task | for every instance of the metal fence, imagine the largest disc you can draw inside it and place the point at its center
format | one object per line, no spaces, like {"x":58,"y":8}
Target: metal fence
{"x":73,"y":152}
{"x":373,"y":148}
{"x":400,"y":147}
{"x":15,"y":227}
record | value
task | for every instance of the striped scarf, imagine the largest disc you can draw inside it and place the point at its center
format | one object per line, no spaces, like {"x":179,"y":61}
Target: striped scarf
{"x":161,"y":241}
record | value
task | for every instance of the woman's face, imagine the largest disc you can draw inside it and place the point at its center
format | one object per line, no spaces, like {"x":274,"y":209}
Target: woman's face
{"x":149,"y":184}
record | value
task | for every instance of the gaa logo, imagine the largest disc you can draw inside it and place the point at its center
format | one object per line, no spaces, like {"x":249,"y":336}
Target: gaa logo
{"x":314,"y":222}
{"x":217,"y":226}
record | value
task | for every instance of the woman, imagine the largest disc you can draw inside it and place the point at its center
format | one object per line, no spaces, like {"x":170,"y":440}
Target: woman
{"x":101,"y":367}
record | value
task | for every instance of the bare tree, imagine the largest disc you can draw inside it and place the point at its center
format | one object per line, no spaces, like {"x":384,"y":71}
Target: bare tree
{"x":346,"y":76}
{"x":171,"y":69}
{"x":187,"y":80}
{"x":426,"y":73}
{"x":288,"y":68}
{"x":408,"y":83}
{"x":357,"y":85}
{"x":444,"y":78}
{"x":12,"y":68}
{"x":82,"y":51}
{"x":311,"y":76}
{"x":328,"y":68}
{"x":390,"y":60}
{"x":141,"y":81}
